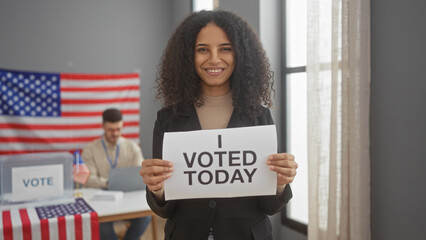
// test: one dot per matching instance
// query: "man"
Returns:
(113, 151)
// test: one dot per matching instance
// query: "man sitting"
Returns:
(113, 151)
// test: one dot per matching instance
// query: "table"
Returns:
(132, 205)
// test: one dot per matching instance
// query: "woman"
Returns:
(214, 74)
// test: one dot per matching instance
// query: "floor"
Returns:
(120, 229)
(160, 230)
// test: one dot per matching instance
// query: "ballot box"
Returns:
(35, 179)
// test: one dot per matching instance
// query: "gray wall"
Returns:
(93, 36)
(398, 119)
(181, 9)
(247, 9)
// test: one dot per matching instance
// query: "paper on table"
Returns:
(108, 195)
(220, 163)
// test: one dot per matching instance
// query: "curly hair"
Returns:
(178, 83)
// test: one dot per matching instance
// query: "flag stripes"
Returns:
(25, 224)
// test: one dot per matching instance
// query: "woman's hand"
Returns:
(154, 172)
(284, 165)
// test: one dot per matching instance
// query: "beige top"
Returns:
(216, 111)
(93, 155)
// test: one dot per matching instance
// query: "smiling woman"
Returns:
(214, 60)
(214, 74)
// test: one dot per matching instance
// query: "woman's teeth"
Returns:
(214, 70)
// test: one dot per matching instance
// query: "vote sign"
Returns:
(220, 163)
(37, 182)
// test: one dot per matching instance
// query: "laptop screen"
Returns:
(125, 179)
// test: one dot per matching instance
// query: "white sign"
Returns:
(37, 182)
(220, 163)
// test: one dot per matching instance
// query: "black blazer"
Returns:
(232, 218)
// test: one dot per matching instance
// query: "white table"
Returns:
(132, 205)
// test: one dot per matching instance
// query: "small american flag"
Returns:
(44, 112)
(64, 221)
(80, 171)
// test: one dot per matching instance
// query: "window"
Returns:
(198, 5)
(295, 91)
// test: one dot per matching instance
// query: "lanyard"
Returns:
(112, 165)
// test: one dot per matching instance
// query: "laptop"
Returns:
(125, 179)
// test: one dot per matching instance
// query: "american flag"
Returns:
(44, 112)
(64, 221)
(80, 171)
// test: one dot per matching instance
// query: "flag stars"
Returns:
(25, 94)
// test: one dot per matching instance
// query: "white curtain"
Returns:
(338, 69)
